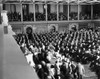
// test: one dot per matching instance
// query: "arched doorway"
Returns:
(73, 27)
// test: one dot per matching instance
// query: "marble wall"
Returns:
(42, 27)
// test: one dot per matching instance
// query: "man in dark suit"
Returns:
(40, 72)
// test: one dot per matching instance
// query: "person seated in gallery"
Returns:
(96, 16)
(40, 16)
(84, 16)
(14, 16)
(62, 16)
(52, 16)
(73, 16)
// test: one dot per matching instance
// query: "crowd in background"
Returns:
(84, 16)
(56, 55)
(14, 16)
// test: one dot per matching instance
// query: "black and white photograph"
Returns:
(49, 39)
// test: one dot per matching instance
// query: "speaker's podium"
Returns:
(14, 65)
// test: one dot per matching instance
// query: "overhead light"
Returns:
(45, 6)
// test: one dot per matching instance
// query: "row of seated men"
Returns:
(63, 16)
(84, 16)
(59, 55)
(53, 16)
(14, 16)
(28, 17)
(73, 16)
(40, 16)
(96, 16)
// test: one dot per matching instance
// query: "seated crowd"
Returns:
(62, 16)
(96, 16)
(52, 16)
(84, 16)
(55, 55)
(73, 16)
(14, 16)
(28, 17)
(40, 16)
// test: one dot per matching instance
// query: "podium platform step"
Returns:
(14, 64)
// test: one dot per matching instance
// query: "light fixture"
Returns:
(45, 6)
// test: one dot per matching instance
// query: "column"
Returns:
(34, 11)
(46, 12)
(68, 12)
(91, 11)
(57, 12)
(21, 13)
(78, 12)
(0, 12)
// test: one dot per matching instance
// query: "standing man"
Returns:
(80, 70)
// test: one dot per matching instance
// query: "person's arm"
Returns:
(83, 70)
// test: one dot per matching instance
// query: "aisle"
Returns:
(14, 63)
